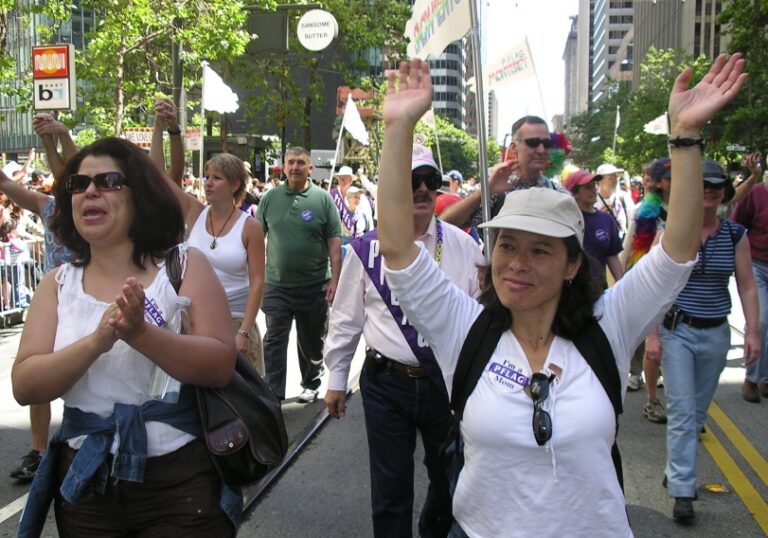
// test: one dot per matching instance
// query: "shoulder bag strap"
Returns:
(475, 353)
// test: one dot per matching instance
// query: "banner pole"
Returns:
(437, 141)
(201, 172)
(480, 114)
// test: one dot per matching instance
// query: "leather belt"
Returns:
(406, 370)
(697, 323)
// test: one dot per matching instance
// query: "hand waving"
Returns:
(690, 109)
(413, 96)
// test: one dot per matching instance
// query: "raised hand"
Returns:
(413, 96)
(165, 112)
(690, 109)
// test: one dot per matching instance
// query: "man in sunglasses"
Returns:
(401, 385)
(527, 158)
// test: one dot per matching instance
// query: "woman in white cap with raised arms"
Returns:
(556, 477)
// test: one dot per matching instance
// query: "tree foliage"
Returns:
(455, 148)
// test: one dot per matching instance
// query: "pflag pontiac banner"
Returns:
(353, 123)
(217, 96)
(435, 24)
(516, 64)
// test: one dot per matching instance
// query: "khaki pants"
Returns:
(255, 353)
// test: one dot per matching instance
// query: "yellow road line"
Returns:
(742, 444)
(739, 482)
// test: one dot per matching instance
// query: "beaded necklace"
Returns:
(439, 240)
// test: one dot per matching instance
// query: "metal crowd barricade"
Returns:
(21, 269)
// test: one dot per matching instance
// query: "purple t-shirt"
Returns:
(752, 213)
(601, 238)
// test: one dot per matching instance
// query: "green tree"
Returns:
(745, 23)
(454, 148)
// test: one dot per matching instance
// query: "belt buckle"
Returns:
(410, 371)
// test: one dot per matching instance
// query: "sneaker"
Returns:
(683, 510)
(635, 382)
(655, 412)
(307, 396)
(749, 392)
(29, 464)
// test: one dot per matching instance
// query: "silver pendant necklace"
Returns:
(215, 235)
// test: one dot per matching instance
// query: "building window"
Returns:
(620, 19)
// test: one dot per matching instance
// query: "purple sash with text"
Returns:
(367, 249)
(347, 217)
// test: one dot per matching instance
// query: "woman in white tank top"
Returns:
(233, 242)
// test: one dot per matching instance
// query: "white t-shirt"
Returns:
(509, 485)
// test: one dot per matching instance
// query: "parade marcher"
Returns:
(529, 151)
(456, 183)
(48, 129)
(95, 336)
(648, 219)
(349, 218)
(752, 213)
(552, 474)
(601, 233)
(402, 388)
(231, 239)
(303, 232)
(696, 335)
(611, 198)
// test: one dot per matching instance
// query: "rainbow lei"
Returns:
(646, 222)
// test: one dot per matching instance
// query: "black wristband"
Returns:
(680, 142)
(176, 132)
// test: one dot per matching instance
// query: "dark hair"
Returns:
(158, 224)
(577, 300)
(233, 169)
(526, 119)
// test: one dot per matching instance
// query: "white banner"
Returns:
(516, 64)
(657, 126)
(217, 96)
(353, 123)
(435, 24)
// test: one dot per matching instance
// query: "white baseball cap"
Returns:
(344, 171)
(541, 211)
(606, 169)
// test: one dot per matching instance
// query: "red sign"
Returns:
(50, 61)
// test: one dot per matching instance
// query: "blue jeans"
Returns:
(757, 372)
(692, 361)
(396, 407)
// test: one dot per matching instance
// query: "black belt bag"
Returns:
(675, 316)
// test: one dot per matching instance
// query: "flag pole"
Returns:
(202, 127)
(616, 128)
(338, 142)
(437, 141)
(480, 114)
(538, 84)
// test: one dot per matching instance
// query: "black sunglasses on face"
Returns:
(542, 422)
(533, 143)
(434, 181)
(108, 181)
(716, 186)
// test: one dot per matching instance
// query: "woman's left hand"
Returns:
(751, 347)
(690, 109)
(129, 320)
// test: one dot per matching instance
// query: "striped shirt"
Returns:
(706, 294)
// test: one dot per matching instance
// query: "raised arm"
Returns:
(752, 163)
(31, 200)
(689, 110)
(403, 107)
(165, 116)
(459, 213)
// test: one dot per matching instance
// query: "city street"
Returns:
(325, 492)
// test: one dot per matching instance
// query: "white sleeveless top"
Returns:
(122, 374)
(229, 259)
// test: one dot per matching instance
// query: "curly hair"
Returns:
(158, 224)
(577, 299)
(233, 169)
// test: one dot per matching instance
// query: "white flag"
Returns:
(429, 118)
(217, 96)
(657, 126)
(435, 25)
(618, 118)
(516, 64)
(353, 123)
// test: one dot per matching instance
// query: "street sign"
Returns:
(53, 77)
(317, 29)
(736, 147)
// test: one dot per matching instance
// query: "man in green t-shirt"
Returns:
(303, 232)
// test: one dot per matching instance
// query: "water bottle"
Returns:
(162, 386)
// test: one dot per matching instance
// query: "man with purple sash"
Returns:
(355, 222)
(401, 385)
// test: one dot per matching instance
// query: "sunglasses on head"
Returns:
(542, 422)
(534, 142)
(108, 181)
(433, 180)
